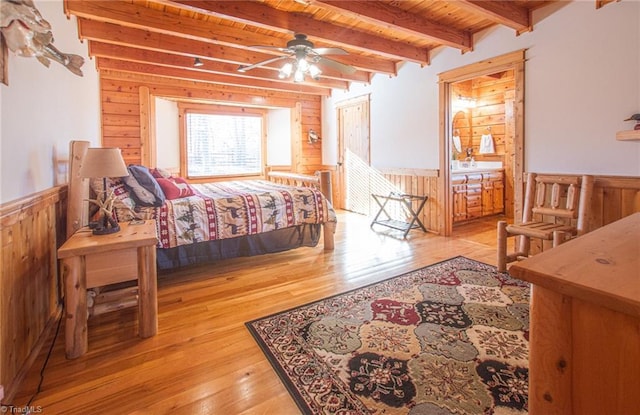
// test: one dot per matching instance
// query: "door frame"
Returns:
(514, 60)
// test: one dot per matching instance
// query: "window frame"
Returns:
(184, 109)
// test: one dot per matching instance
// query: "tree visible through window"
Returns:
(223, 145)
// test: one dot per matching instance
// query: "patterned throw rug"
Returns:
(450, 338)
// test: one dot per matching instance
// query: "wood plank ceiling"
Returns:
(163, 37)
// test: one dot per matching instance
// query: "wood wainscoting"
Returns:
(614, 197)
(31, 228)
(420, 182)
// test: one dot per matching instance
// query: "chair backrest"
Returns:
(554, 198)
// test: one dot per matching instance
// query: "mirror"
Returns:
(460, 135)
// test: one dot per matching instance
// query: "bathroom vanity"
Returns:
(477, 192)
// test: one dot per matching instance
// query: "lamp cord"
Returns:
(27, 407)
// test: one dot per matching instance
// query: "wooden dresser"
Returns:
(585, 323)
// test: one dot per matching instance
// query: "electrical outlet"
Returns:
(1, 392)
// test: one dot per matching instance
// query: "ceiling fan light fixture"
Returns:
(302, 60)
(197, 62)
(285, 71)
(314, 72)
(303, 65)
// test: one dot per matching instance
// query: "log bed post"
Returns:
(324, 177)
(77, 213)
(328, 228)
(320, 180)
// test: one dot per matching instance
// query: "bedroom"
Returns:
(594, 71)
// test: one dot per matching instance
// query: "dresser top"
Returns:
(602, 267)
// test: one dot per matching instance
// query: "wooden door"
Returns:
(487, 197)
(498, 197)
(353, 158)
(459, 202)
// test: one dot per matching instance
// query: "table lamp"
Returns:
(102, 163)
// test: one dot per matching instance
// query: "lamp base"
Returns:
(105, 226)
(106, 230)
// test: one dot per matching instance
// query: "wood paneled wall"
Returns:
(414, 182)
(614, 197)
(32, 228)
(125, 108)
(490, 115)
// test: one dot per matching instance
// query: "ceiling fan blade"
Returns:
(245, 68)
(341, 67)
(330, 51)
(279, 49)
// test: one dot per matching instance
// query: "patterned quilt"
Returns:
(231, 209)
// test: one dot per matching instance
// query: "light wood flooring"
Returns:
(203, 360)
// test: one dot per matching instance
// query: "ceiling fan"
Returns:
(302, 59)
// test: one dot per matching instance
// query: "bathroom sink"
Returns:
(465, 167)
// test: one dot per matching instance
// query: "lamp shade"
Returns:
(103, 162)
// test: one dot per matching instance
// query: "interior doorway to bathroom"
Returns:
(482, 127)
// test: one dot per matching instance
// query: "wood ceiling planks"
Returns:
(162, 37)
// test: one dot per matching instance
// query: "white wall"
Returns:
(43, 109)
(279, 137)
(582, 81)
(167, 135)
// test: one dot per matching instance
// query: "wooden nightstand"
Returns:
(90, 261)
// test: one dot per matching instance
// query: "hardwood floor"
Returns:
(203, 360)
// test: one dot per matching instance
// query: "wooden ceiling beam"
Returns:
(260, 15)
(503, 12)
(602, 3)
(143, 39)
(383, 14)
(190, 75)
(135, 16)
(185, 90)
(129, 54)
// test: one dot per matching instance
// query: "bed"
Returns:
(209, 222)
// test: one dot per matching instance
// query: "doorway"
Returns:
(354, 188)
(462, 90)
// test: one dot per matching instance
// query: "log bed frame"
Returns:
(78, 211)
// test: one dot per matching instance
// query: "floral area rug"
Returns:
(450, 338)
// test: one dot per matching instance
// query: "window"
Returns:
(223, 144)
